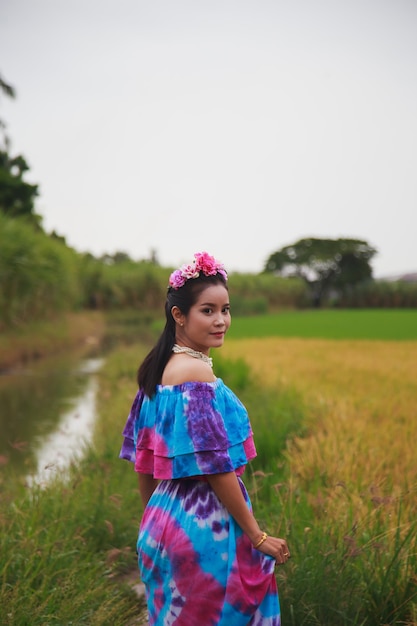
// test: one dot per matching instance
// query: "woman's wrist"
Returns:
(253, 531)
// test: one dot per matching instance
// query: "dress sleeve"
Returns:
(128, 449)
(193, 430)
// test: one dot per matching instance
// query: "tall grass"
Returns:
(253, 294)
(123, 285)
(381, 294)
(56, 556)
(38, 275)
(59, 549)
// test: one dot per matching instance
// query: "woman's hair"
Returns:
(152, 367)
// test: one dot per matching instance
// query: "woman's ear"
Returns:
(177, 315)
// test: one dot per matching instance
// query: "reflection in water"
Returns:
(72, 434)
(42, 408)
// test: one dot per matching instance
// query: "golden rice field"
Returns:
(362, 429)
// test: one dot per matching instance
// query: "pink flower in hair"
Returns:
(176, 280)
(190, 271)
(203, 262)
(206, 263)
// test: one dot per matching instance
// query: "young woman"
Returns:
(203, 558)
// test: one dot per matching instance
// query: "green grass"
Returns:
(383, 324)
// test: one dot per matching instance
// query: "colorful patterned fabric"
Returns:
(197, 565)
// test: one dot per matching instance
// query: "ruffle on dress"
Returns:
(192, 429)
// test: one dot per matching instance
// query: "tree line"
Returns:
(40, 277)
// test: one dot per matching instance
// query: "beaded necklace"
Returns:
(194, 353)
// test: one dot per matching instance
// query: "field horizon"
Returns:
(370, 324)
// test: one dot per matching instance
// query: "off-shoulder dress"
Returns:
(197, 565)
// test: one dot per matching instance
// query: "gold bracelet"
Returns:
(261, 540)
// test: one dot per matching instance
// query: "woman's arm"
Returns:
(147, 485)
(226, 487)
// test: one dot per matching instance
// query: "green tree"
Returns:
(9, 91)
(17, 197)
(326, 265)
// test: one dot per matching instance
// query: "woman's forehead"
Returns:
(213, 294)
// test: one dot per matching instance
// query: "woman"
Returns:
(203, 558)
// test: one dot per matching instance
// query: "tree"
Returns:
(17, 197)
(326, 265)
(9, 91)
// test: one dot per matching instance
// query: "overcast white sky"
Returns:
(235, 127)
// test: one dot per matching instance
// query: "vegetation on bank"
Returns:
(66, 548)
(335, 473)
(44, 337)
(38, 275)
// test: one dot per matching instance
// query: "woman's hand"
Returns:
(275, 547)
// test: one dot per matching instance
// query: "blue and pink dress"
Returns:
(197, 565)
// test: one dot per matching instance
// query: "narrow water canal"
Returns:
(47, 414)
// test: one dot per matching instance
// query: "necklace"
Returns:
(194, 353)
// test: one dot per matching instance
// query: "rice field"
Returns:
(363, 396)
(366, 324)
(352, 477)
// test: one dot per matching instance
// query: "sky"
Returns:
(231, 126)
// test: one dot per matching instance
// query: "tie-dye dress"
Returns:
(198, 567)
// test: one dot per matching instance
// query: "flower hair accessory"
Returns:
(203, 262)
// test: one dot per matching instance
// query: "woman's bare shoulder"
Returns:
(183, 369)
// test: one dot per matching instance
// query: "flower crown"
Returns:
(203, 262)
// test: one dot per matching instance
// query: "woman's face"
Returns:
(207, 321)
